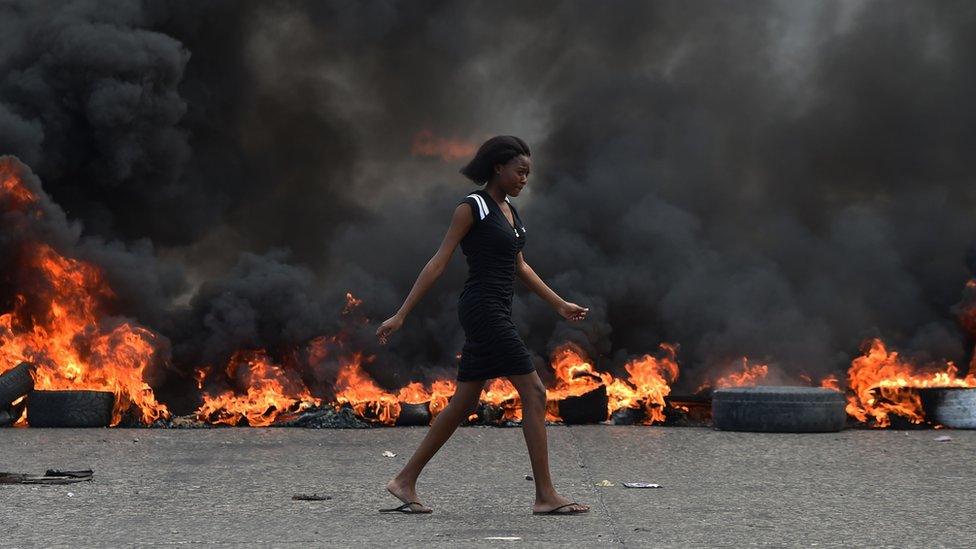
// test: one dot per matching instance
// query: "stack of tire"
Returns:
(50, 408)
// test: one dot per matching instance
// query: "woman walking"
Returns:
(491, 234)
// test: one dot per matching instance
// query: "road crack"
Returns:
(592, 484)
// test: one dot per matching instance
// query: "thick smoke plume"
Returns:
(777, 180)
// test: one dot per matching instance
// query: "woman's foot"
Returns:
(406, 492)
(550, 503)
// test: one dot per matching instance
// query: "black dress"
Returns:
(492, 346)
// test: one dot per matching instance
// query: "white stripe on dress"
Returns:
(482, 207)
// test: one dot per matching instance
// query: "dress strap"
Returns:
(482, 206)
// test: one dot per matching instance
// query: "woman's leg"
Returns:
(463, 401)
(532, 393)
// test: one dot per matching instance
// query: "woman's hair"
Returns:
(497, 150)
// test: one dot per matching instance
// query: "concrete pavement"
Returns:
(233, 487)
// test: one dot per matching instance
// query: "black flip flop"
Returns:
(556, 511)
(405, 508)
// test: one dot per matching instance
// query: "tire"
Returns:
(778, 409)
(590, 407)
(70, 408)
(15, 383)
(413, 414)
(953, 407)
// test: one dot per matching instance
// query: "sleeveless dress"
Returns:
(492, 345)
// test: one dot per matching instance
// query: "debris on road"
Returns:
(943, 438)
(389, 454)
(51, 476)
(641, 485)
(604, 483)
(325, 417)
(310, 497)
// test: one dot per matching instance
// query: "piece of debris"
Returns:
(943, 438)
(82, 474)
(310, 497)
(604, 482)
(389, 454)
(641, 485)
(528, 477)
(51, 476)
(324, 417)
(505, 538)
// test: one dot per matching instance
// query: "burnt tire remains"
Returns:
(15, 383)
(590, 407)
(413, 414)
(778, 409)
(70, 408)
(953, 407)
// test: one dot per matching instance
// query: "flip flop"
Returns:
(555, 510)
(405, 508)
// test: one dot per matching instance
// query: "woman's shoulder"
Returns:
(479, 208)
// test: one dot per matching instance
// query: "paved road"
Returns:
(233, 487)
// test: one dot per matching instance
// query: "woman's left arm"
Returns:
(568, 310)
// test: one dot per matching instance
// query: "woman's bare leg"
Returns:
(464, 400)
(532, 393)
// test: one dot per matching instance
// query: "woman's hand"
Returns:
(572, 311)
(389, 326)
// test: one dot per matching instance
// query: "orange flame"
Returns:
(426, 144)
(60, 324)
(749, 375)
(830, 382)
(270, 391)
(881, 383)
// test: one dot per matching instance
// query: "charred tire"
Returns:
(70, 408)
(15, 383)
(778, 409)
(589, 407)
(953, 407)
(413, 414)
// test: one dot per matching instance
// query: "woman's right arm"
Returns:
(461, 222)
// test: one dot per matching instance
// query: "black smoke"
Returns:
(779, 180)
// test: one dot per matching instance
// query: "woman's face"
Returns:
(513, 176)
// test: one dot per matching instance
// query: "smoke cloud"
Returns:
(777, 180)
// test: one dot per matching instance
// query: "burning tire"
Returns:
(70, 408)
(589, 407)
(413, 414)
(778, 409)
(953, 407)
(15, 383)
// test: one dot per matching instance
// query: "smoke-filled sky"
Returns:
(777, 180)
